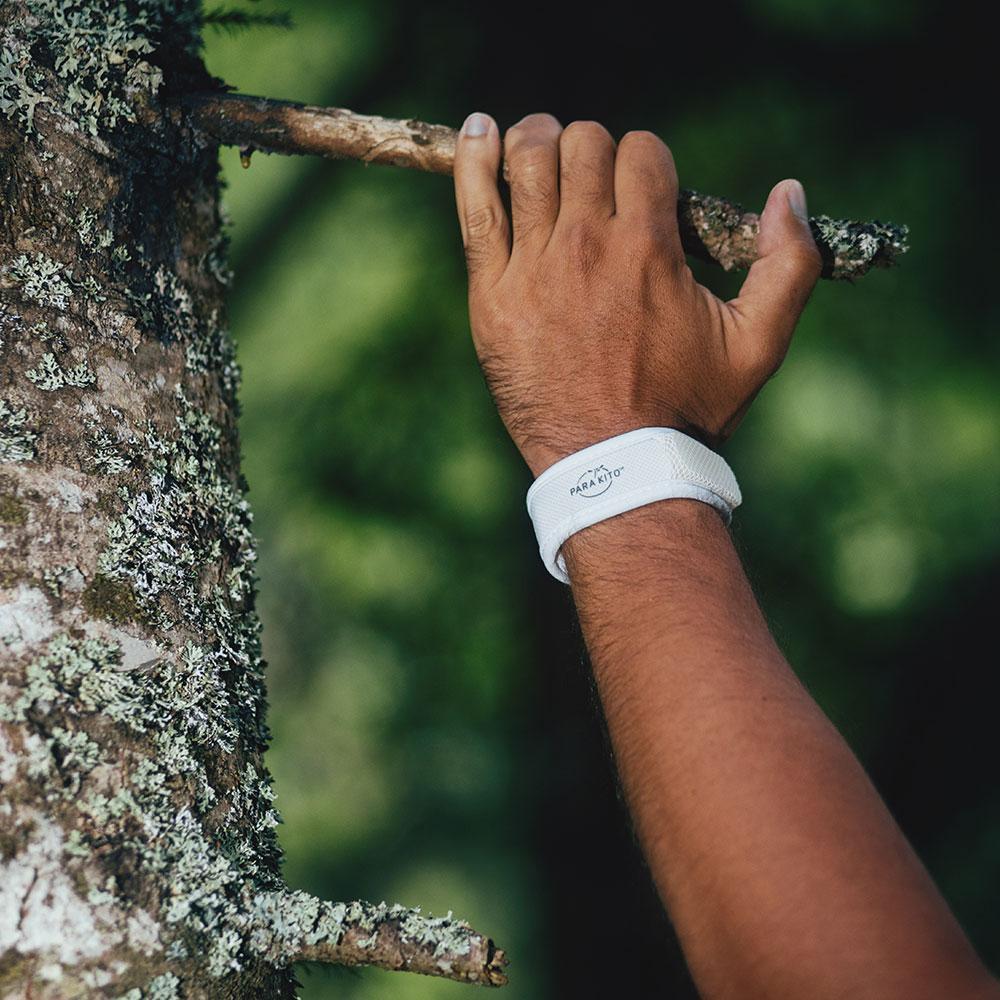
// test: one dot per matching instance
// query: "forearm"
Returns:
(782, 870)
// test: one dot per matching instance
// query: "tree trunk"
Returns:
(137, 848)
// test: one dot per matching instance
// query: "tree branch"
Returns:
(290, 927)
(712, 228)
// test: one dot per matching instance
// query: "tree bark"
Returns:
(137, 850)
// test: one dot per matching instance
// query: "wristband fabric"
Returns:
(620, 474)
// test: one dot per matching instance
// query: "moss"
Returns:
(106, 501)
(9, 845)
(14, 969)
(12, 511)
(112, 600)
(79, 881)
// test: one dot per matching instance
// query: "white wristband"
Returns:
(620, 474)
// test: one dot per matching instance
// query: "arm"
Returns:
(783, 872)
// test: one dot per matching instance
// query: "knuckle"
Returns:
(482, 221)
(588, 178)
(529, 161)
(532, 170)
(654, 240)
(651, 235)
(800, 263)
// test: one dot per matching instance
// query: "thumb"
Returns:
(781, 279)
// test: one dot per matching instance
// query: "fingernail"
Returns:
(797, 200)
(476, 125)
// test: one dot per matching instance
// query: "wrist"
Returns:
(640, 535)
(540, 451)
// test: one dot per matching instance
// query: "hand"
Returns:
(589, 323)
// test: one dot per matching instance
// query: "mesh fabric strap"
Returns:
(620, 474)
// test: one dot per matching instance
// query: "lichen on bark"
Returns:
(138, 855)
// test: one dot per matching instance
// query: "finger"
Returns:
(779, 282)
(531, 166)
(481, 215)
(586, 172)
(646, 186)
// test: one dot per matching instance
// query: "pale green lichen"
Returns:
(42, 279)
(216, 260)
(93, 288)
(208, 877)
(74, 845)
(177, 305)
(168, 542)
(209, 350)
(17, 441)
(19, 95)
(83, 674)
(850, 249)
(50, 375)
(98, 47)
(203, 703)
(37, 757)
(89, 234)
(163, 987)
(107, 458)
(75, 749)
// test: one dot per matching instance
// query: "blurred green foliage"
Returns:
(434, 742)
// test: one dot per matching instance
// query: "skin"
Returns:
(782, 870)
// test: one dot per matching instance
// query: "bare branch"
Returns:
(712, 228)
(284, 127)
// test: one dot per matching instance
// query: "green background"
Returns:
(435, 738)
